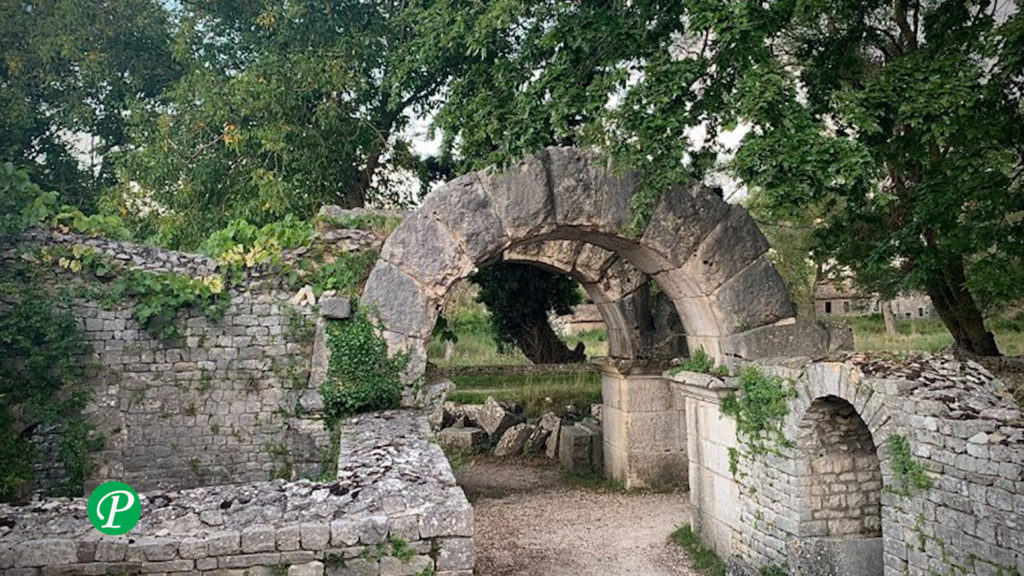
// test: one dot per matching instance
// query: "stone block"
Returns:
(391, 566)
(575, 448)
(45, 552)
(354, 567)
(258, 539)
(456, 554)
(223, 544)
(802, 338)
(315, 568)
(462, 439)
(513, 440)
(454, 519)
(836, 557)
(335, 308)
(521, 197)
(315, 536)
(373, 529)
(401, 302)
(464, 208)
(425, 250)
(494, 417)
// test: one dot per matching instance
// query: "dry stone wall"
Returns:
(393, 510)
(965, 436)
(229, 401)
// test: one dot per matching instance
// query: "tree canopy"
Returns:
(898, 123)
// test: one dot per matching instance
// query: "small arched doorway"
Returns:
(839, 493)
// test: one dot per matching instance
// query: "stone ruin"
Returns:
(831, 501)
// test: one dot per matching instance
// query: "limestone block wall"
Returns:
(963, 431)
(394, 510)
(229, 401)
(644, 429)
(714, 494)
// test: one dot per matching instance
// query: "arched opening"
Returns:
(841, 487)
(839, 498)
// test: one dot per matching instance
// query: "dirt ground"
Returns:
(529, 522)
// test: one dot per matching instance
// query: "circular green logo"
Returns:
(114, 508)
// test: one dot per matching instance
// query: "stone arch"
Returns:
(619, 290)
(838, 473)
(707, 255)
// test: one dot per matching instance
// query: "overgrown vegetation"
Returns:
(703, 558)
(519, 298)
(910, 477)
(42, 372)
(361, 376)
(701, 362)
(759, 408)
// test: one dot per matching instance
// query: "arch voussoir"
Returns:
(733, 244)
(425, 250)
(400, 301)
(464, 209)
(755, 296)
(521, 198)
(682, 219)
(587, 193)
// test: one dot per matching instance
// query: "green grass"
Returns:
(928, 335)
(536, 393)
(703, 558)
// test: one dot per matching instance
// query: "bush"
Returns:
(361, 377)
(41, 375)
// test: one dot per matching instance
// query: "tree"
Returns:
(285, 107)
(68, 70)
(519, 298)
(898, 123)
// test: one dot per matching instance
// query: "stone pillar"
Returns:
(644, 429)
(714, 493)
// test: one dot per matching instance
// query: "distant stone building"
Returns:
(832, 299)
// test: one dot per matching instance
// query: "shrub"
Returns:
(361, 377)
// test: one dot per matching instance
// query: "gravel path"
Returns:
(529, 523)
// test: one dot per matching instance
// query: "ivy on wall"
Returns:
(361, 376)
(42, 372)
(910, 477)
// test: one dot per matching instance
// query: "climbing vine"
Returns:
(361, 376)
(759, 409)
(159, 296)
(42, 375)
(910, 476)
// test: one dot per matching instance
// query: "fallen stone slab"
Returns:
(495, 417)
(513, 440)
(461, 438)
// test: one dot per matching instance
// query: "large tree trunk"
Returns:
(890, 321)
(542, 346)
(959, 312)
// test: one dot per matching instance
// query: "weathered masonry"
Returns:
(880, 467)
(892, 467)
(567, 210)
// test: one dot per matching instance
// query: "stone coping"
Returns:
(392, 483)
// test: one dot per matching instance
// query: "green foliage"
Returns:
(23, 204)
(159, 296)
(701, 362)
(361, 377)
(703, 558)
(892, 129)
(241, 236)
(42, 370)
(346, 274)
(307, 104)
(518, 319)
(70, 70)
(759, 409)
(909, 474)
